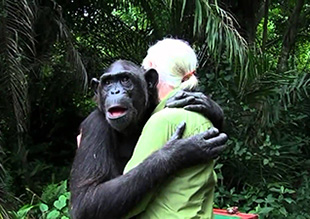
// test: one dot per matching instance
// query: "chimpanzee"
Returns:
(126, 96)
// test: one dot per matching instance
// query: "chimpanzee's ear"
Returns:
(151, 77)
(94, 85)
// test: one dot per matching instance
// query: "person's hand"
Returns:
(200, 103)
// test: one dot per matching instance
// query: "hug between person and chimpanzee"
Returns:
(126, 96)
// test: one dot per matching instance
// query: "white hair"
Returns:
(173, 59)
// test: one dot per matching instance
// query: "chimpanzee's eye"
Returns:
(125, 80)
(107, 82)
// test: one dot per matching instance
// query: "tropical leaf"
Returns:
(3, 192)
(16, 35)
(217, 27)
(202, 20)
(72, 53)
(117, 34)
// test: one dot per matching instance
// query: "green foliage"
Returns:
(269, 201)
(44, 71)
(53, 204)
(265, 169)
(269, 139)
(216, 26)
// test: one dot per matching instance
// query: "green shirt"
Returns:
(188, 193)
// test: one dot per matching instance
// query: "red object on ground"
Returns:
(237, 215)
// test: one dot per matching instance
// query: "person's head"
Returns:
(175, 61)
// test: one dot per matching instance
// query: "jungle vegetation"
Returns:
(254, 60)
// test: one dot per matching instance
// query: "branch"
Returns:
(265, 26)
(290, 36)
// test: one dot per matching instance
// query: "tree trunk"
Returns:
(290, 36)
(248, 14)
(265, 26)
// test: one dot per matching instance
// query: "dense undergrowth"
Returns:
(265, 169)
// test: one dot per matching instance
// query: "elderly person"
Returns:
(190, 192)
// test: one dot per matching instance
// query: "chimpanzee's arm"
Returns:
(116, 197)
(198, 102)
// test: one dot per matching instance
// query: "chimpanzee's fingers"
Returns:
(195, 108)
(201, 138)
(195, 94)
(178, 132)
(180, 103)
(200, 101)
(203, 103)
(179, 95)
(183, 94)
(216, 151)
(215, 141)
(210, 133)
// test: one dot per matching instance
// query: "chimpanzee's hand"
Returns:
(198, 102)
(196, 149)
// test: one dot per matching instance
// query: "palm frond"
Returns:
(3, 191)
(116, 37)
(272, 94)
(73, 54)
(16, 35)
(156, 26)
(217, 27)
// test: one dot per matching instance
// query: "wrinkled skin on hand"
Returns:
(199, 148)
(200, 103)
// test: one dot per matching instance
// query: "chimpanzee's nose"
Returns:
(115, 91)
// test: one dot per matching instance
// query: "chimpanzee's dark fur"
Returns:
(98, 188)
(104, 152)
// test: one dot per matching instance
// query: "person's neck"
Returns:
(163, 90)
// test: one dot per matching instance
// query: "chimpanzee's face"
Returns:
(123, 94)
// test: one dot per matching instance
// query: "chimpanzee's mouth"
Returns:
(116, 112)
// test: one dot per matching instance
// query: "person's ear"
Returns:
(151, 77)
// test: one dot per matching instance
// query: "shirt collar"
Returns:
(162, 103)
